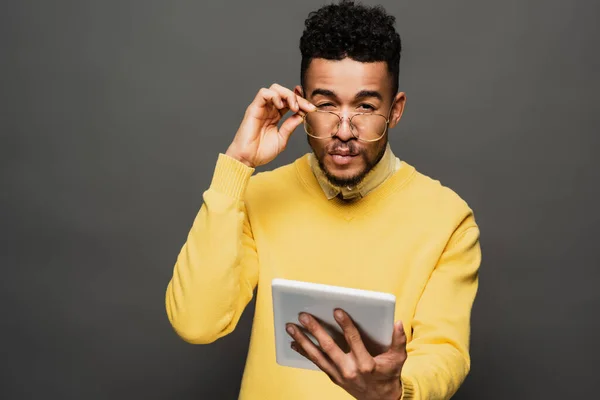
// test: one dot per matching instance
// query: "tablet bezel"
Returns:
(373, 311)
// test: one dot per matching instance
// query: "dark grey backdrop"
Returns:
(113, 113)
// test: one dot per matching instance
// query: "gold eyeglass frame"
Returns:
(352, 128)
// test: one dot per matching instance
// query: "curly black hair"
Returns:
(362, 33)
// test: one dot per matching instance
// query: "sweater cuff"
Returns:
(408, 389)
(231, 176)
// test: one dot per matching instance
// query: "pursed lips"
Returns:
(342, 157)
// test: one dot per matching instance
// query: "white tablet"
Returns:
(372, 312)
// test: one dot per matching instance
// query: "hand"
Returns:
(363, 376)
(258, 139)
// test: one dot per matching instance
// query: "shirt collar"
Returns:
(385, 168)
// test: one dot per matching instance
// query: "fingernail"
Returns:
(303, 319)
(338, 315)
(290, 329)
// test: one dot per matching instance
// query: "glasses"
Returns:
(366, 127)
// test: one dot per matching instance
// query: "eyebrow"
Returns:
(360, 95)
(323, 92)
(368, 93)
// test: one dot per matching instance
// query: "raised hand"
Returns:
(259, 139)
(363, 376)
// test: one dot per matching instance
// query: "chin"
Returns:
(346, 176)
(345, 170)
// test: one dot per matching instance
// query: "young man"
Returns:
(349, 214)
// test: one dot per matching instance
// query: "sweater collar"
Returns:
(385, 168)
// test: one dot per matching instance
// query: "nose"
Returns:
(344, 132)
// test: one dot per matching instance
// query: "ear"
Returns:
(298, 91)
(397, 109)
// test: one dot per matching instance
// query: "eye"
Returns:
(366, 107)
(325, 105)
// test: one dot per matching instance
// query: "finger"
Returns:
(284, 110)
(306, 105)
(296, 347)
(289, 125)
(308, 349)
(287, 95)
(326, 343)
(295, 102)
(265, 97)
(365, 361)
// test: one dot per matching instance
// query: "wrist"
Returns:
(396, 392)
(233, 153)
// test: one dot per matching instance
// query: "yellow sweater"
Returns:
(410, 236)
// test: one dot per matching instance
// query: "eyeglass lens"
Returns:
(363, 126)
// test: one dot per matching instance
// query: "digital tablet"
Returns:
(372, 312)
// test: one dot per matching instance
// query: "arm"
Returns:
(438, 355)
(217, 268)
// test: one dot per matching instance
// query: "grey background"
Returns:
(112, 116)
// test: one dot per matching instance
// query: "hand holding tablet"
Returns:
(371, 312)
(364, 355)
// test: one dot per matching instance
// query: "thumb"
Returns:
(398, 339)
(391, 362)
(289, 125)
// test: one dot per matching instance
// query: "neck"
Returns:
(387, 165)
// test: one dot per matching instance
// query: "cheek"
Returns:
(372, 150)
(318, 146)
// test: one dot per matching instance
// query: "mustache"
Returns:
(338, 147)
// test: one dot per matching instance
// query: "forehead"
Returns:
(347, 77)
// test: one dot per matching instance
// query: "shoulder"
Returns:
(279, 182)
(441, 201)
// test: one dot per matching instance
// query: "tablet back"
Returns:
(372, 312)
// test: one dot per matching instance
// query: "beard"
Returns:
(353, 180)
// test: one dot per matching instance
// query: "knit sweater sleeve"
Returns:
(438, 355)
(216, 270)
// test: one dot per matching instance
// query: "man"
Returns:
(349, 214)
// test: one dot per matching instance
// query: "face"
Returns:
(348, 87)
